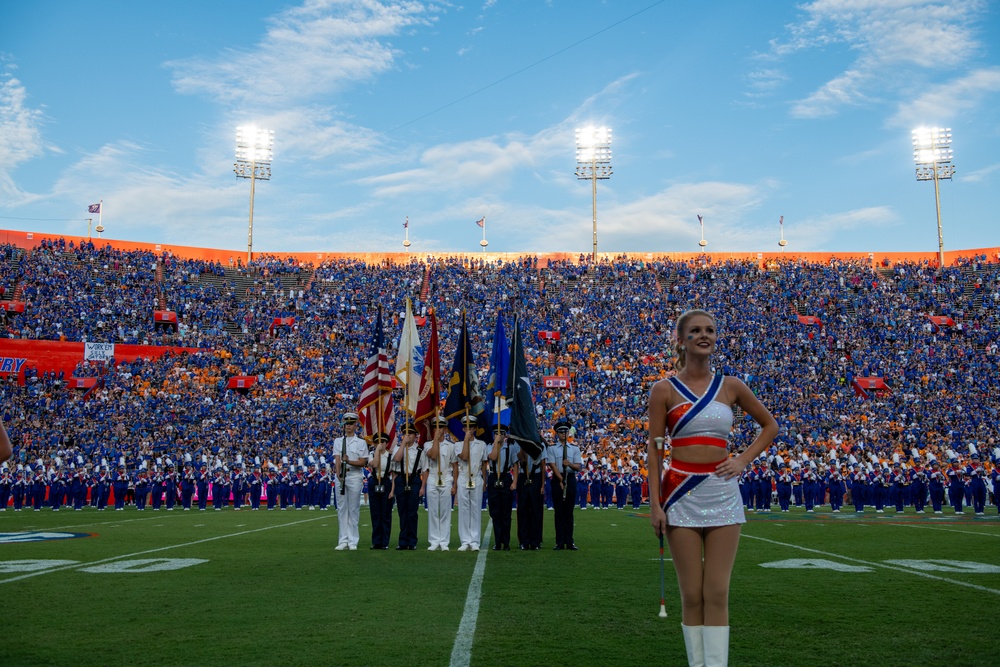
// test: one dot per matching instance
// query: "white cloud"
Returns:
(307, 51)
(20, 135)
(983, 175)
(887, 37)
(943, 103)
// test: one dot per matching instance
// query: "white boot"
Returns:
(694, 644)
(716, 638)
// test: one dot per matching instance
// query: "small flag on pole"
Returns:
(482, 221)
(94, 208)
(781, 221)
(701, 221)
(406, 224)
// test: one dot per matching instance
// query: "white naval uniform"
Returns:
(349, 504)
(470, 500)
(439, 496)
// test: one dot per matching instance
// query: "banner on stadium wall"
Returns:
(810, 320)
(165, 317)
(864, 386)
(11, 364)
(941, 321)
(12, 306)
(241, 382)
(555, 381)
(82, 383)
(99, 351)
(549, 335)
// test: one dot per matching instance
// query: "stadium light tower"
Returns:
(254, 149)
(593, 162)
(932, 155)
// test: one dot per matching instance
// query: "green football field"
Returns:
(267, 588)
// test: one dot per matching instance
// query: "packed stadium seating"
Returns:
(799, 331)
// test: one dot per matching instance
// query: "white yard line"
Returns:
(461, 652)
(916, 573)
(946, 530)
(157, 550)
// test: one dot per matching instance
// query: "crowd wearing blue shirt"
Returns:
(615, 321)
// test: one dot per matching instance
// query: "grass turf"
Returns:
(271, 590)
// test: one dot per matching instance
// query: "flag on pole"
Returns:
(482, 221)
(409, 361)
(429, 392)
(375, 407)
(463, 386)
(94, 208)
(407, 223)
(781, 221)
(495, 402)
(701, 221)
(523, 422)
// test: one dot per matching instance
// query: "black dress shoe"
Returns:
(573, 547)
(506, 547)
(557, 547)
(374, 546)
(497, 547)
(534, 547)
(412, 547)
(400, 547)
(522, 547)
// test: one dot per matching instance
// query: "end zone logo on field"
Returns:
(39, 536)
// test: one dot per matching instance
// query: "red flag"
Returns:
(430, 383)
(376, 408)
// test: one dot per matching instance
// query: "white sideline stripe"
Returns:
(153, 551)
(946, 530)
(461, 652)
(918, 573)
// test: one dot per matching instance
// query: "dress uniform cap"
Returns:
(408, 427)
(440, 421)
(561, 426)
(469, 420)
(350, 417)
(380, 438)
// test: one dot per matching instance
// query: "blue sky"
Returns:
(446, 112)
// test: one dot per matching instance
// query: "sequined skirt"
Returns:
(694, 497)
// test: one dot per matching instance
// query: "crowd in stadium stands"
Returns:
(615, 322)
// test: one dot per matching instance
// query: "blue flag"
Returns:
(523, 421)
(495, 401)
(464, 396)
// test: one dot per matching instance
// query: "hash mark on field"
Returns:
(461, 652)
(874, 564)
(152, 551)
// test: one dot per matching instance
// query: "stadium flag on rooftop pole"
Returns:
(496, 383)
(375, 407)
(409, 361)
(482, 222)
(464, 396)
(523, 421)
(429, 393)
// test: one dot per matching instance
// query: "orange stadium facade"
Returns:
(29, 240)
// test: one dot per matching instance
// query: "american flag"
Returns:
(94, 208)
(781, 221)
(482, 221)
(701, 221)
(376, 407)
(407, 223)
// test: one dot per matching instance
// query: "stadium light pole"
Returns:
(593, 163)
(932, 155)
(254, 150)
